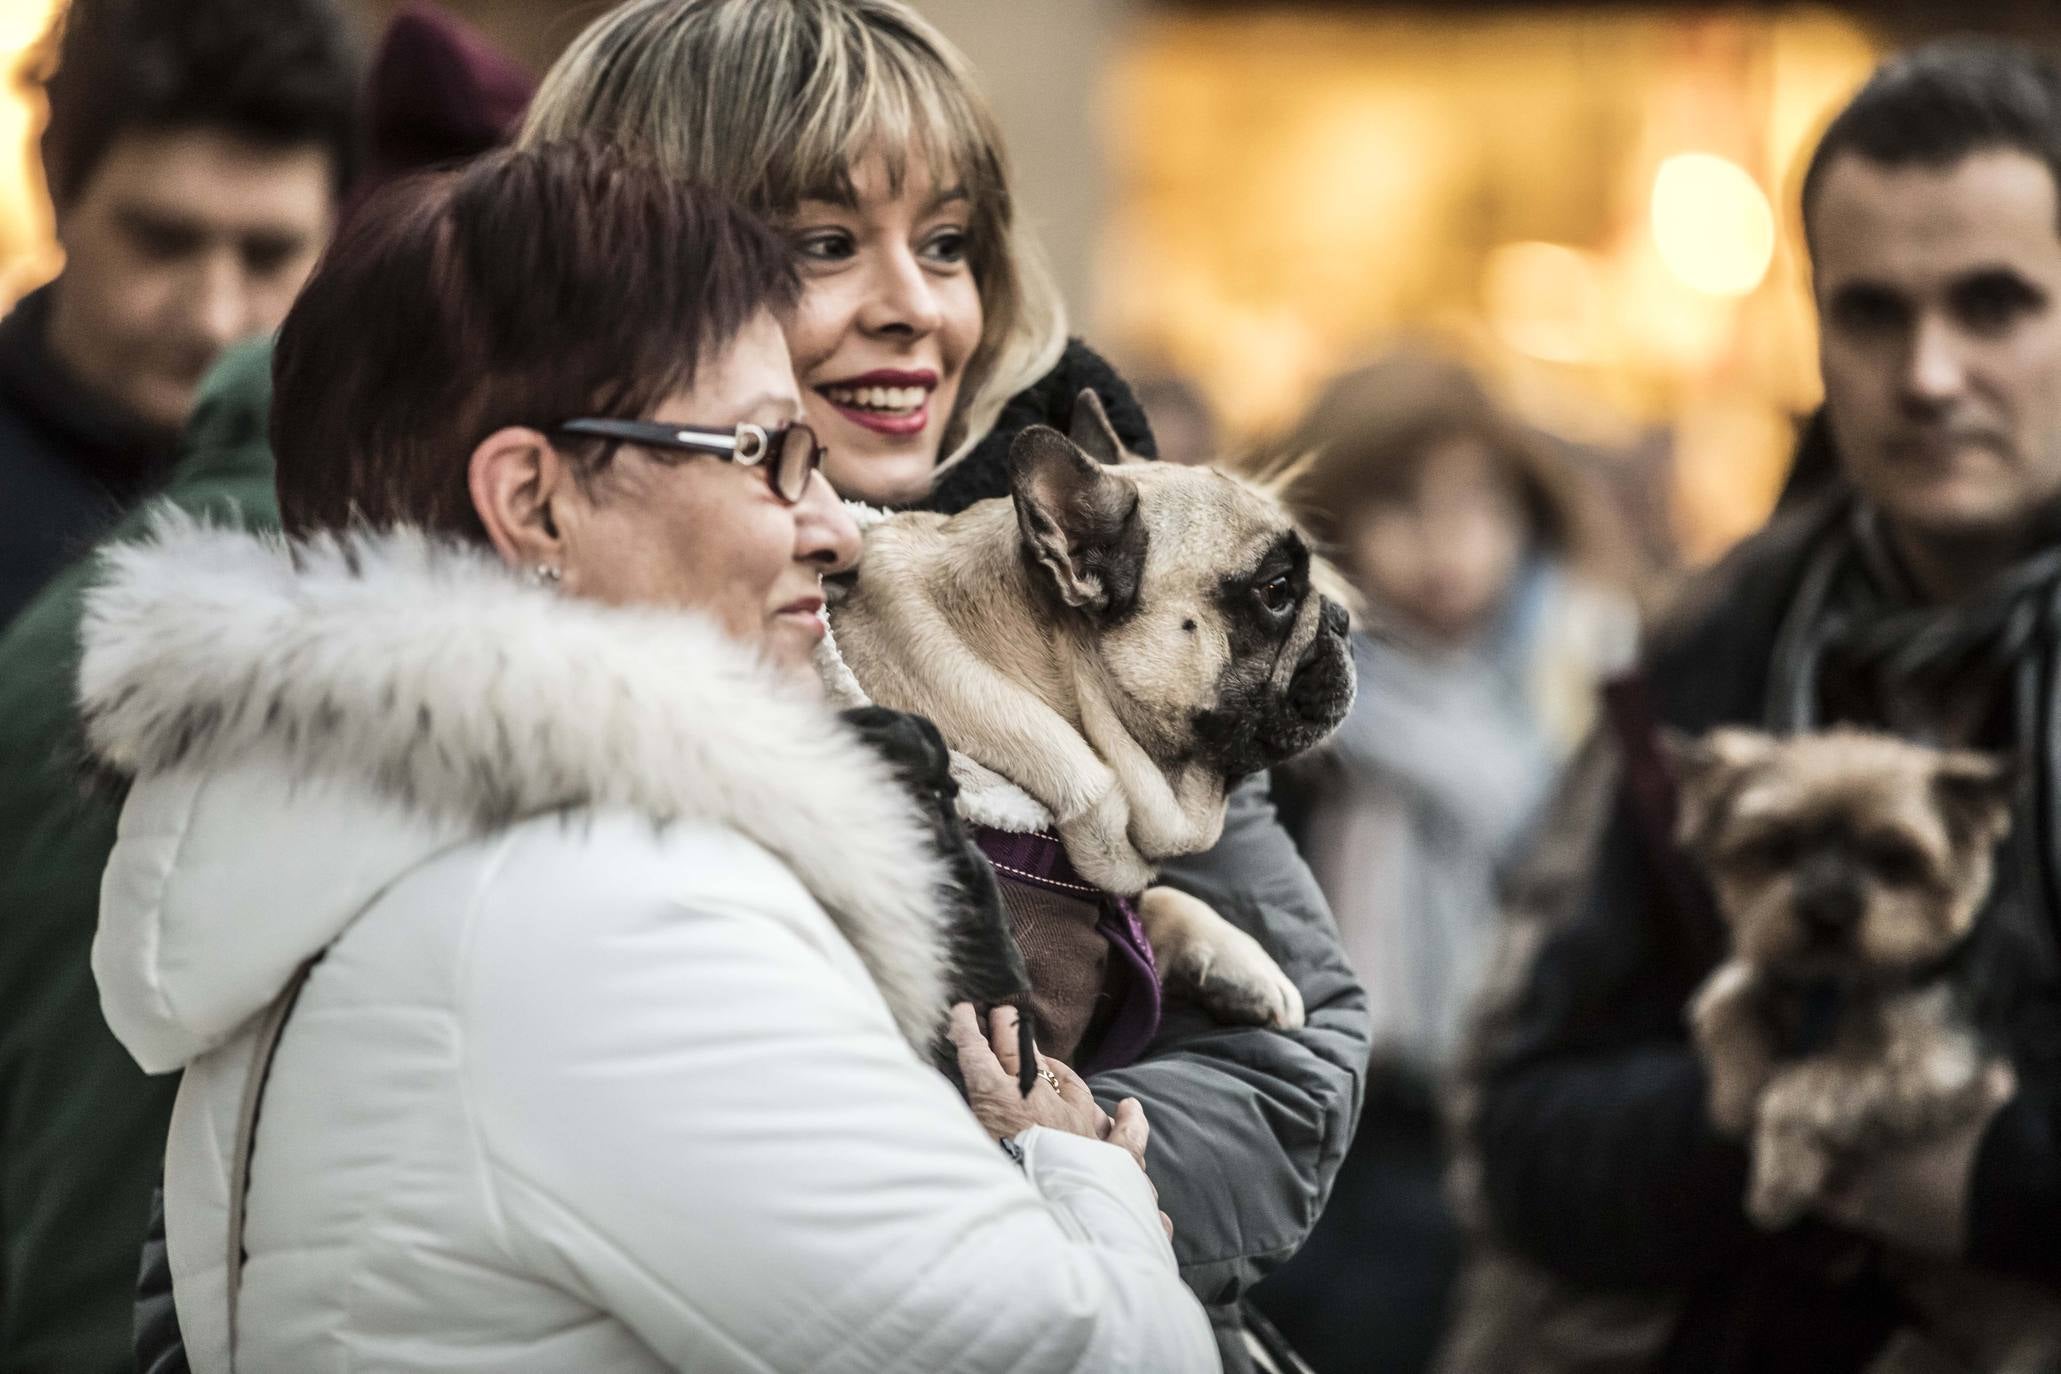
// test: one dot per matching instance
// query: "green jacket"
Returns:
(81, 1128)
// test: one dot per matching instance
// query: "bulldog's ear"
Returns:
(1091, 431)
(1079, 522)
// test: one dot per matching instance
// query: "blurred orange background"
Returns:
(1593, 206)
(1596, 205)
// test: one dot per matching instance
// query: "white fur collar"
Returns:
(985, 796)
(446, 683)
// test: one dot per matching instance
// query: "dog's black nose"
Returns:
(1323, 683)
(1829, 909)
(1334, 620)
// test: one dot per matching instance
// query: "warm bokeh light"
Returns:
(1292, 190)
(1546, 301)
(27, 255)
(1712, 224)
(1596, 204)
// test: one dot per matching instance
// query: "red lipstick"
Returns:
(887, 400)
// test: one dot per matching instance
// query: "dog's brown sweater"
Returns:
(1068, 958)
(1094, 988)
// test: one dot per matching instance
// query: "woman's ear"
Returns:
(516, 477)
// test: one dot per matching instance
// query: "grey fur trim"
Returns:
(443, 680)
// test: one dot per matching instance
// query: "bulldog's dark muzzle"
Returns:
(1320, 691)
(1259, 723)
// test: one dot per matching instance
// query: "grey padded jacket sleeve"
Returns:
(1249, 1125)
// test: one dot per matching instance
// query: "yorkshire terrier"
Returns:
(1853, 870)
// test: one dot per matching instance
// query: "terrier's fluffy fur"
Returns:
(1850, 868)
(1854, 870)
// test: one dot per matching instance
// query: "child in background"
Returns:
(1495, 605)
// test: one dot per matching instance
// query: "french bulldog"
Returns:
(1123, 641)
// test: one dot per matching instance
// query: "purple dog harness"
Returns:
(1040, 860)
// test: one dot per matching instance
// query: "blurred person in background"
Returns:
(1493, 580)
(1917, 595)
(81, 1128)
(929, 335)
(196, 151)
(1182, 419)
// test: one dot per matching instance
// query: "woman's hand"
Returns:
(988, 1063)
(1129, 1130)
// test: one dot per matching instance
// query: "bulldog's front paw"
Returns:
(1101, 850)
(1222, 969)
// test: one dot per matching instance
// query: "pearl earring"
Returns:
(546, 575)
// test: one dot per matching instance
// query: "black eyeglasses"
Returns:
(789, 452)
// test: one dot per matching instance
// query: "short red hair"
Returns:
(532, 286)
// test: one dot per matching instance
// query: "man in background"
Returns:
(1915, 593)
(81, 1128)
(195, 153)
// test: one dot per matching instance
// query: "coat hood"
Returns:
(305, 721)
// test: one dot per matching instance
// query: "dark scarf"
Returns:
(987, 966)
(119, 451)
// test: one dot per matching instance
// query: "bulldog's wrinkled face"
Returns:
(1191, 592)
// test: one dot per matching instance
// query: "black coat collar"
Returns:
(86, 429)
(984, 471)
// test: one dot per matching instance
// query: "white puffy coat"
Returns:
(608, 1063)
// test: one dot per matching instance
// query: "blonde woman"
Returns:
(928, 334)
(930, 329)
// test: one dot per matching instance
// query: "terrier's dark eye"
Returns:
(1277, 594)
(1895, 861)
(1771, 851)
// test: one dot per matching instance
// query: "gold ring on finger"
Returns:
(1050, 1077)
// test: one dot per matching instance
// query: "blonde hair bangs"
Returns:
(775, 101)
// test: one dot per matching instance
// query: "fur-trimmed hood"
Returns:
(407, 694)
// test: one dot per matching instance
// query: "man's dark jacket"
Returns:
(70, 460)
(1596, 1155)
(82, 1129)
